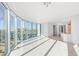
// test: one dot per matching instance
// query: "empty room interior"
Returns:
(39, 28)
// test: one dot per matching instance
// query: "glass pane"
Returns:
(38, 29)
(18, 30)
(2, 30)
(29, 29)
(12, 31)
(34, 30)
(25, 31)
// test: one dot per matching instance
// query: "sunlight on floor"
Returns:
(45, 46)
(26, 48)
(76, 47)
(42, 49)
(59, 49)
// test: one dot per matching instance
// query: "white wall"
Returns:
(75, 29)
(50, 29)
(47, 29)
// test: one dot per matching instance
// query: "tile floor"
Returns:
(44, 46)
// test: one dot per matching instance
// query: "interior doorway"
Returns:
(54, 30)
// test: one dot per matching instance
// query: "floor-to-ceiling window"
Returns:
(2, 30)
(38, 29)
(19, 30)
(29, 24)
(29, 30)
(12, 31)
(34, 30)
(25, 29)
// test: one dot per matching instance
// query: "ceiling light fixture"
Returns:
(47, 3)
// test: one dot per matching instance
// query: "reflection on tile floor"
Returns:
(46, 47)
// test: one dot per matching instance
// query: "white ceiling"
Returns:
(38, 12)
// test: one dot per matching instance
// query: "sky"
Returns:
(1, 17)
